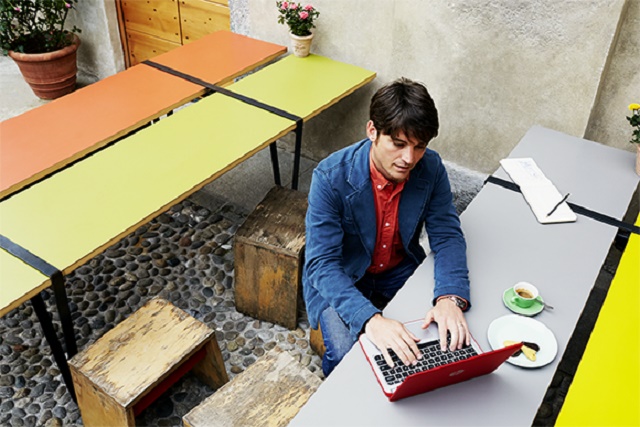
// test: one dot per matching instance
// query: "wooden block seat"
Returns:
(269, 393)
(268, 257)
(122, 372)
(316, 341)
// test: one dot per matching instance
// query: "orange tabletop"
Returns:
(49, 137)
(220, 56)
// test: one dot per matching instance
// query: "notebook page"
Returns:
(539, 192)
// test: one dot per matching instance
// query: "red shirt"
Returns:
(388, 251)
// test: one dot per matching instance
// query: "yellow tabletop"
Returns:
(75, 212)
(18, 281)
(303, 86)
(606, 391)
(80, 211)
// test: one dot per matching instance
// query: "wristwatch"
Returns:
(459, 302)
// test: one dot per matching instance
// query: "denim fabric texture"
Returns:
(341, 233)
(377, 288)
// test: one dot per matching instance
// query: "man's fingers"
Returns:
(427, 320)
(405, 348)
(387, 357)
(464, 335)
(406, 353)
(455, 334)
(443, 338)
(414, 349)
(412, 341)
(404, 345)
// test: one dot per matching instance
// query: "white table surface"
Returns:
(505, 245)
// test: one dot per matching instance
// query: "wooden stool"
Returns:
(126, 369)
(316, 341)
(269, 252)
(269, 393)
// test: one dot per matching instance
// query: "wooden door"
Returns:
(202, 17)
(151, 27)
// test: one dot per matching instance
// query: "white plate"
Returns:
(519, 328)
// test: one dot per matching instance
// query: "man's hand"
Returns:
(390, 334)
(450, 318)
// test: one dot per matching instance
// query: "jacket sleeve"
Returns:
(324, 263)
(447, 241)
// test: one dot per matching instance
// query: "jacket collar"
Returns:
(359, 171)
(413, 200)
(361, 200)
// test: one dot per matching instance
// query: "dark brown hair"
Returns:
(405, 106)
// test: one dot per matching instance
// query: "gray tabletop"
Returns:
(505, 245)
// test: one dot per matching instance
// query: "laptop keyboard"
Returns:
(432, 357)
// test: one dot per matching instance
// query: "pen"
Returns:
(564, 199)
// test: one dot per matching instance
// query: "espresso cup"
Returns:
(525, 294)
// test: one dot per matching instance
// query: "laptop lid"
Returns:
(481, 364)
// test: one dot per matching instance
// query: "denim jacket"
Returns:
(341, 232)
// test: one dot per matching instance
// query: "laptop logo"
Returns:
(453, 374)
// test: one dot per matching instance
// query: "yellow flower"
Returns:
(634, 107)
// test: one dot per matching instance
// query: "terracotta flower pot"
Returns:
(301, 44)
(52, 74)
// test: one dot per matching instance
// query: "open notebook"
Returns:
(440, 368)
(540, 193)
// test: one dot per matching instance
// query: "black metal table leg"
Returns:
(273, 150)
(62, 304)
(296, 157)
(52, 339)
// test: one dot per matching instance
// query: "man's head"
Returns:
(403, 119)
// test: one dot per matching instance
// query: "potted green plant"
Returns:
(299, 19)
(32, 33)
(634, 121)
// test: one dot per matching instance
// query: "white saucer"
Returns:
(519, 328)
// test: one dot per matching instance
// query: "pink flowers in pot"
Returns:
(299, 19)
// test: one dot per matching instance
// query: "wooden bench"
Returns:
(120, 374)
(606, 391)
(78, 212)
(269, 393)
(268, 256)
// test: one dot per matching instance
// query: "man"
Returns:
(367, 205)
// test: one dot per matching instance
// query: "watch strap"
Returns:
(461, 303)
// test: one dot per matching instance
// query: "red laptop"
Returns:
(436, 368)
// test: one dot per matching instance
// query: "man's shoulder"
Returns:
(429, 165)
(338, 160)
(431, 156)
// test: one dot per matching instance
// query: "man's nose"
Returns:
(408, 154)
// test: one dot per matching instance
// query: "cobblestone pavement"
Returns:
(183, 256)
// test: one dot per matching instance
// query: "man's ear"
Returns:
(372, 133)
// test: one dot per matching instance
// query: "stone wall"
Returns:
(620, 85)
(100, 54)
(494, 67)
